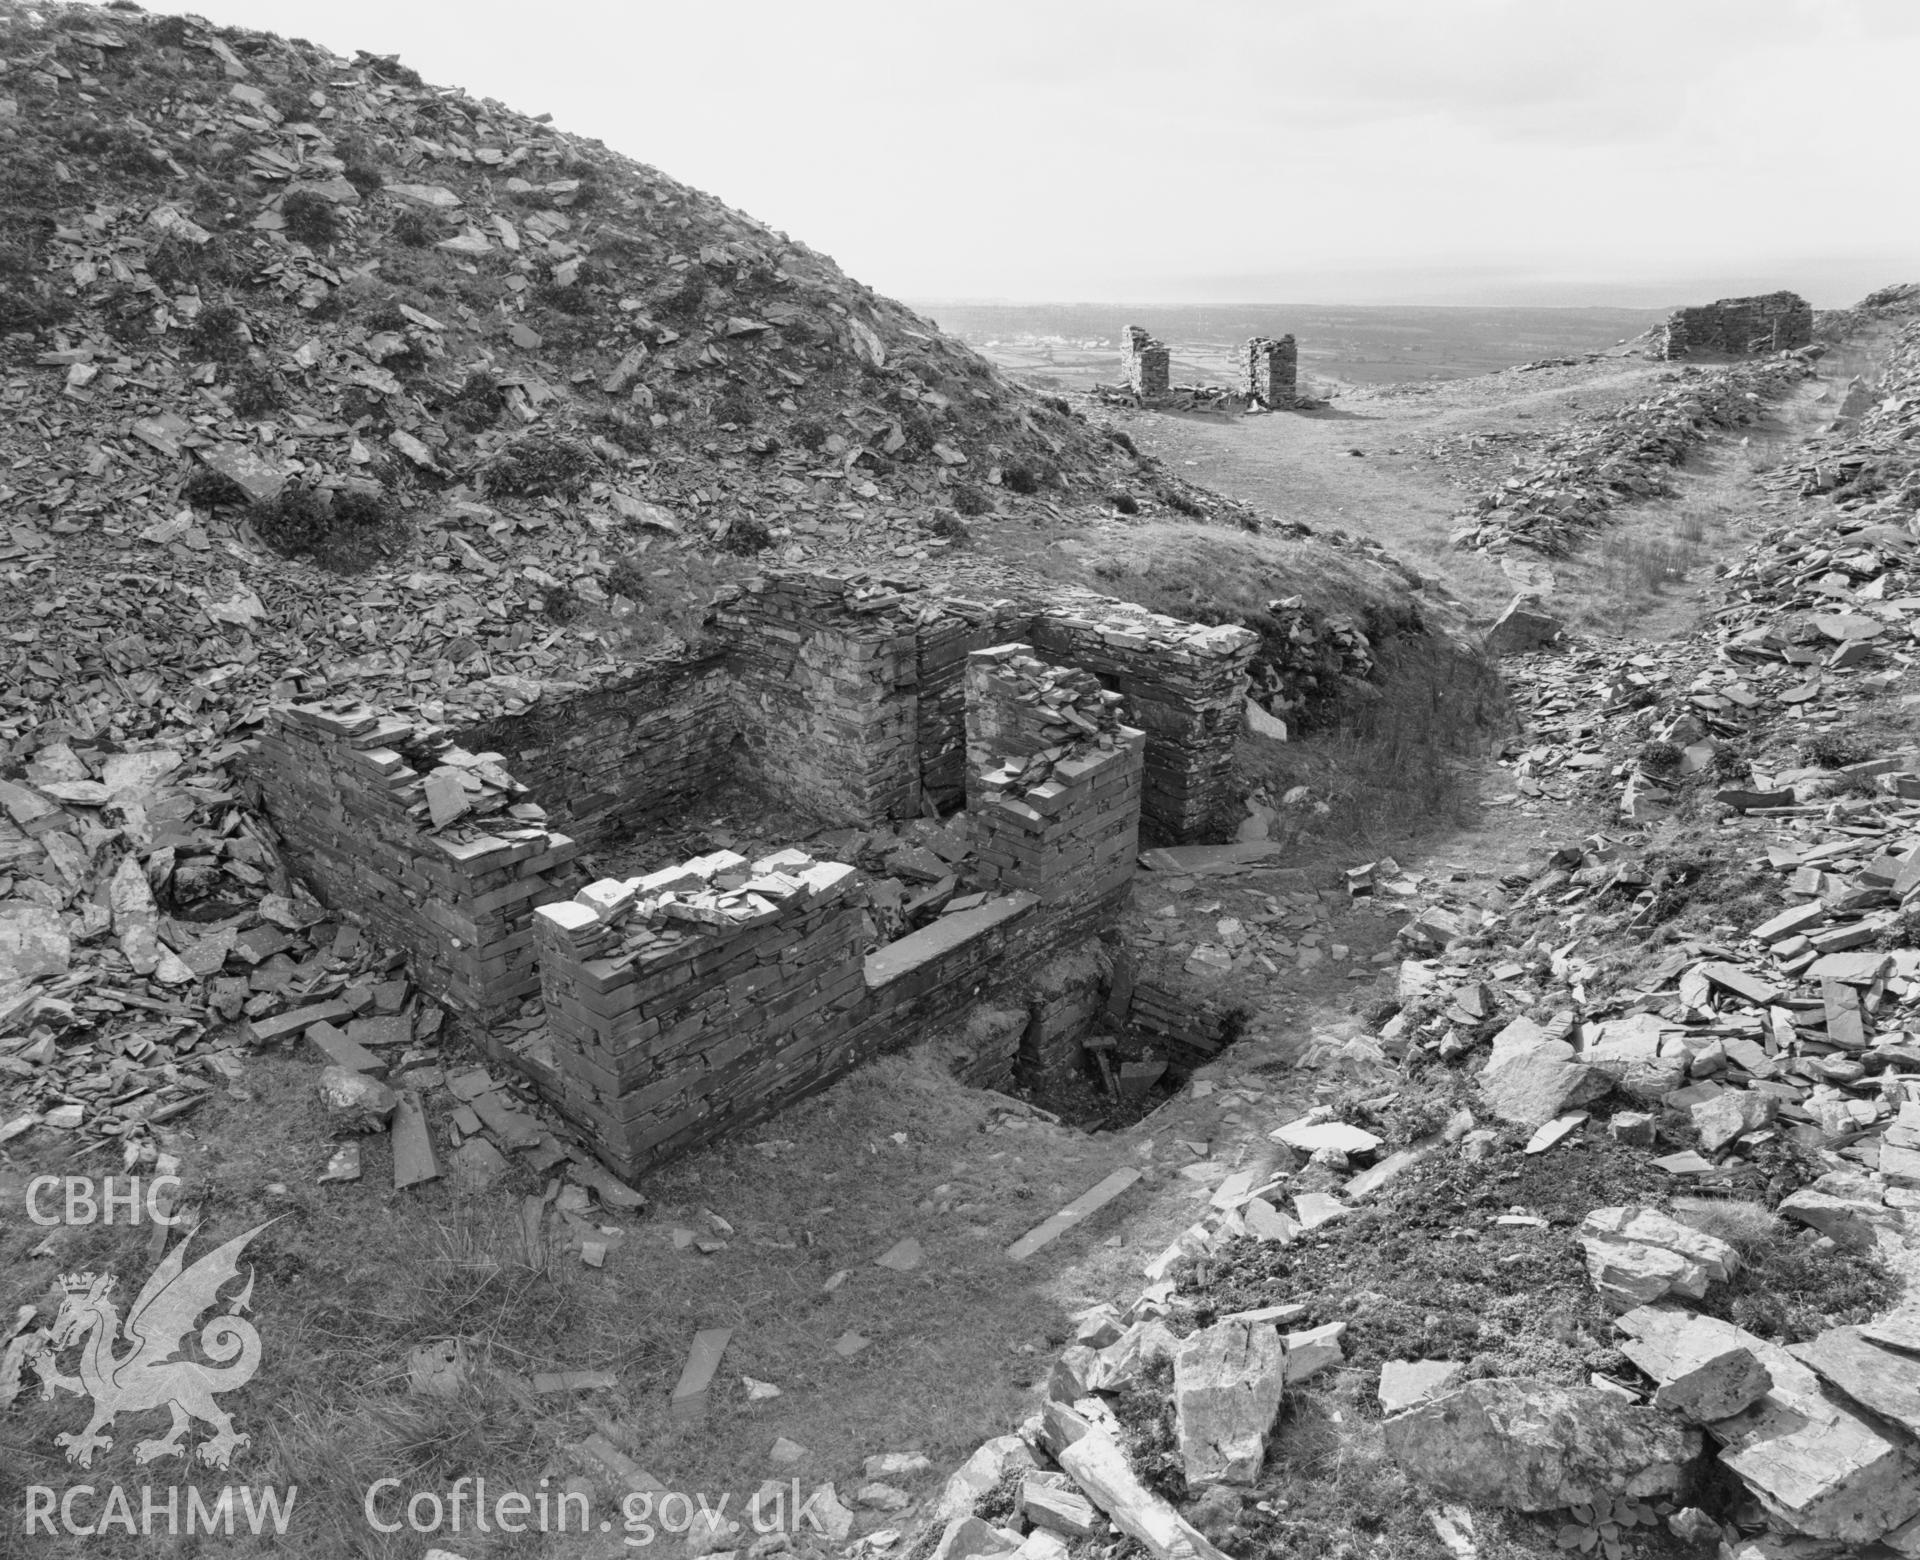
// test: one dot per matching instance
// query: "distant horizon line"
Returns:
(1264, 303)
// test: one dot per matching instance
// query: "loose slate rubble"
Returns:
(1636, 1256)
(1537, 1447)
(1821, 1469)
(1606, 459)
(1723, 1044)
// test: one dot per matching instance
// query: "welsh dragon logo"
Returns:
(148, 1375)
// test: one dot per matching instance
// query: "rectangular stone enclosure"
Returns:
(693, 1000)
(698, 997)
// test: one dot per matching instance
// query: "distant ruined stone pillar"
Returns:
(1273, 371)
(1146, 364)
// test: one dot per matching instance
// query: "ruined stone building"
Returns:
(1146, 364)
(659, 1011)
(1273, 372)
(1772, 322)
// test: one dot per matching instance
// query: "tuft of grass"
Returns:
(1790, 1291)
(1834, 750)
(478, 403)
(387, 67)
(119, 149)
(1744, 1225)
(29, 308)
(630, 433)
(1179, 502)
(206, 488)
(343, 531)
(685, 302)
(944, 523)
(968, 501)
(541, 466)
(257, 390)
(311, 219)
(418, 229)
(218, 335)
(1659, 758)
(1638, 565)
(1145, 1409)
(732, 405)
(744, 536)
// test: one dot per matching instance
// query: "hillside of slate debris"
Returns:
(1559, 1192)
(309, 365)
(1594, 1226)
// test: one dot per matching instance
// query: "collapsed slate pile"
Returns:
(1305, 658)
(1798, 1023)
(1874, 468)
(1837, 325)
(1606, 459)
(1045, 714)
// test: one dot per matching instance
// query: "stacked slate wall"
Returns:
(1273, 371)
(1146, 364)
(1770, 322)
(698, 998)
(825, 675)
(1054, 778)
(668, 1032)
(945, 642)
(625, 758)
(695, 1000)
(1185, 687)
(338, 782)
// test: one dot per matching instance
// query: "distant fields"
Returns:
(1074, 345)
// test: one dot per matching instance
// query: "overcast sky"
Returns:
(1539, 151)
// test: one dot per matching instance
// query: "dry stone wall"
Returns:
(1185, 687)
(690, 1001)
(666, 1033)
(1145, 364)
(699, 997)
(1770, 322)
(363, 825)
(625, 758)
(961, 628)
(1273, 371)
(682, 1003)
(825, 676)
(1054, 778)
